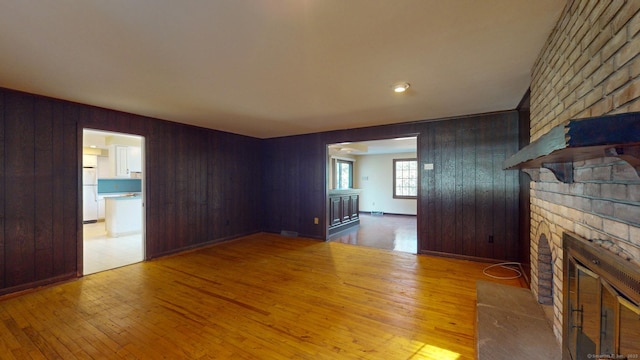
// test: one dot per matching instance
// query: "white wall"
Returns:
(374, 175)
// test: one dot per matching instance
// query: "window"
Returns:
(405, 178)
(344, 174)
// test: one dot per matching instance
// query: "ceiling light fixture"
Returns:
(401, 87)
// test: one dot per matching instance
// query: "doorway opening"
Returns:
(113, 200)
(372, 191)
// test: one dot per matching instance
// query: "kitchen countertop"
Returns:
(123, 197)
(118, 178)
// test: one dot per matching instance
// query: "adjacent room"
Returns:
(112, 200)
(379, 179)
(320, 179)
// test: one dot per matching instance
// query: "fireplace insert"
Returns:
(601, 311)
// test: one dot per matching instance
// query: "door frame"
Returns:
(327, 182)
(80, 231)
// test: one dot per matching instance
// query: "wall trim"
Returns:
(35, 285)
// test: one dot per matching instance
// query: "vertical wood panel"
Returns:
(60, 183)
(500, 216)
(20, 183)
(427, 199)
(273, 192)
(448, 188)
(201, 189)
(512, 200)
(469, 192)
(191, 180)
(292, 170)
(249, 166)
(153, 173)
(423, 190)
(437, 215)
(155, 186)
(44, 189)
(524, 210)
(198, 186)
(459, 198)
(180, 195)
(305, 189)
(484, 193)
(2, 190)
(72, 226)
(214, 188)
(168, 183)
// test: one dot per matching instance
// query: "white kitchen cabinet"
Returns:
(89, 160)
(123, 215)
(126, 159)
(134, 158)
(101, 208)
(122, 161)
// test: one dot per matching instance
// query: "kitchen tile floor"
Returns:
(103, 253)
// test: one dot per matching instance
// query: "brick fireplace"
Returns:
(589, 67)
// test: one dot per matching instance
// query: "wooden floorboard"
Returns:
(259, 297)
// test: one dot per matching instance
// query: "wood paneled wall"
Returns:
(525, 196)
(202, 185)
(38, 191)
(470, 204)
(294, 175)
(463, 202)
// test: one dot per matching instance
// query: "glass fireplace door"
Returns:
(574, 310)
(588, 312)
(601, 296)
(602, 322)
(608, 320)
(629, 330)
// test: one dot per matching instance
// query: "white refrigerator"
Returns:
(89, 194)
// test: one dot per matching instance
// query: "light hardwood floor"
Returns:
(259, 297)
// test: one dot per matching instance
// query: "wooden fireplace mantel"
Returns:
(578, 140)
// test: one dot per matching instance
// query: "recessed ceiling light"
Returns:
(401, 87)
(92, 146)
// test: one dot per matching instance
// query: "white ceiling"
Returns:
(375, 147)
(103, 139)
(269, 68)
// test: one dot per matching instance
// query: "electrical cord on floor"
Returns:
(504, 265)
